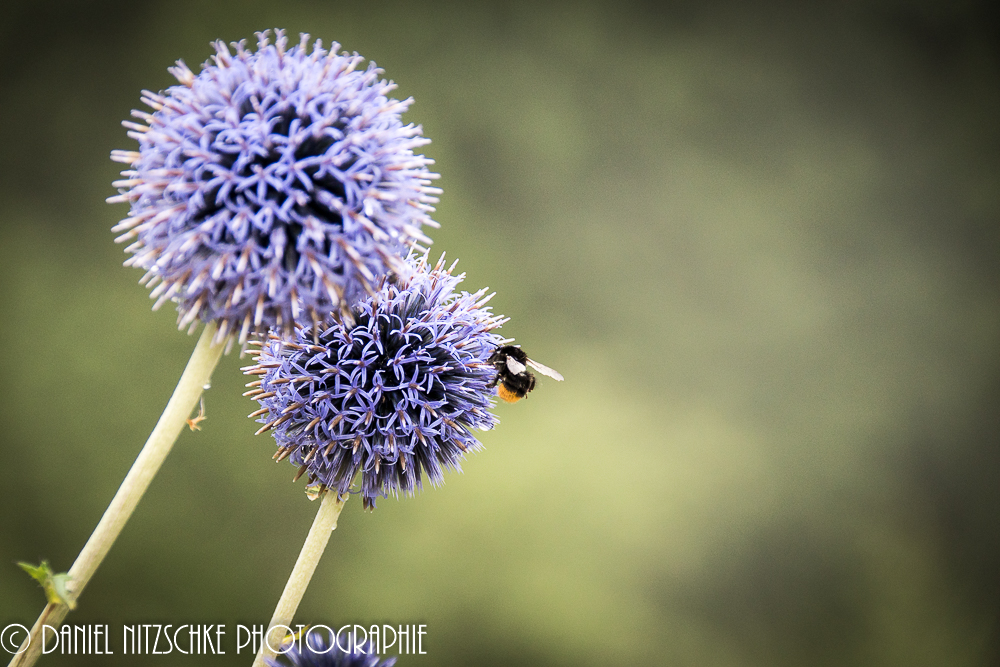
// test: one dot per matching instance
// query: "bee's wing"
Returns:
(545, 370)
(514, 366)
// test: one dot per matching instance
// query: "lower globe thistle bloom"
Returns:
(317, 650)
(394, 395)
(273, 187)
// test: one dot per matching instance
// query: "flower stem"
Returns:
(324, 523)
(196, 376)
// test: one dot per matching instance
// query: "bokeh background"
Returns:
(760, 240)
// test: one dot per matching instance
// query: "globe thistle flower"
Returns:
(323, 651)
(274, 187)
(395, 395)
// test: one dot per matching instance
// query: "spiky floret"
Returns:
(319, 649)
(394, 395)
(274, 187)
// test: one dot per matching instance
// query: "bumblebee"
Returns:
(513, 379)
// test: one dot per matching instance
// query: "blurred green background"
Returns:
(759, 240)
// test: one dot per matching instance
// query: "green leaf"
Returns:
(54, 584)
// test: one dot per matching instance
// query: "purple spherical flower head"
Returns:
(274, 187)
(391, 396)
(318, 650)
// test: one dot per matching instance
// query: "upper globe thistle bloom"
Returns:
(394, 394)
(317, 650)
(274, 187)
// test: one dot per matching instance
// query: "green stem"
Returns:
(324, 523)
(196, 376)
